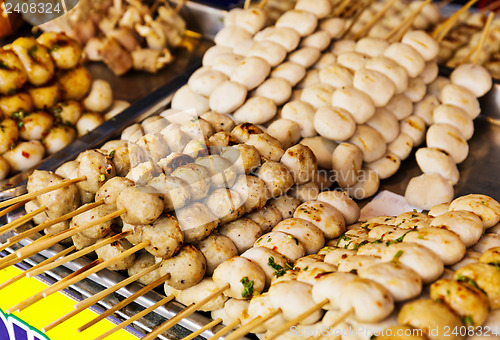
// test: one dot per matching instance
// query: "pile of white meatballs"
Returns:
(360, 106)
(47, 99)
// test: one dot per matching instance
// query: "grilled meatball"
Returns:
(430, 315)
(143, 204)
(243, 232)
(196, 222)
(244, 277)
(465, 300)
(186, 269)
(111, 189)
(96, 167)
(98, 231)
(216, 249)
(252, 191)
(114, 249)
(144, 260)
(164, 235)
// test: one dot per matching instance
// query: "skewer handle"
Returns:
(76, 255)
(182, 314)
(376, 18)
(64, 284)
(247, 328)
(50, 259)
(47, 224)
(297, 320)
(125, 302)
(38, 246)
(135, 317)
(84, 304)
(21, 220)
(204, 328)
(226, 329)
(34, 194)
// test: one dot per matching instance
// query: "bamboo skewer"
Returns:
(67, 281)
(182, 314)
(21, 220)
(50, 223)
(296, 320)
(484, 35)
(38, 296)
(406, 24)
(84, 304)
(353, 9)
(341, 7)
(136, 317)
(125, 302)
(441, 31)
(202, 329)
(37, 246)
(12, 208)
(34, 194)
(247, 3)
(23, 274)
(77, 254)
(356, 17)
(12, 259)
(374, 20)
(262, 4)
(226, 329)
(338, 320)
(247, 328)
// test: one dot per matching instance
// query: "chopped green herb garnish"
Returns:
(20, 124)
(102, 178)
(420, 237)
(377, 241)
(397, 255)
(467, 320)
(112, 153)
(306, 268)
(32, 50)
(360, 244)
(247, 292)
(289, 266)
(259, 239)
(397, 240)
(439, 301)
(483, 202)
(2, 128)
(290, 236)
(269, 239)
(468, 280)
(414, 215)
(387, 219)
(18, 114)
(278, 269)
(3, 65)
(343, 237)
(496, 265)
